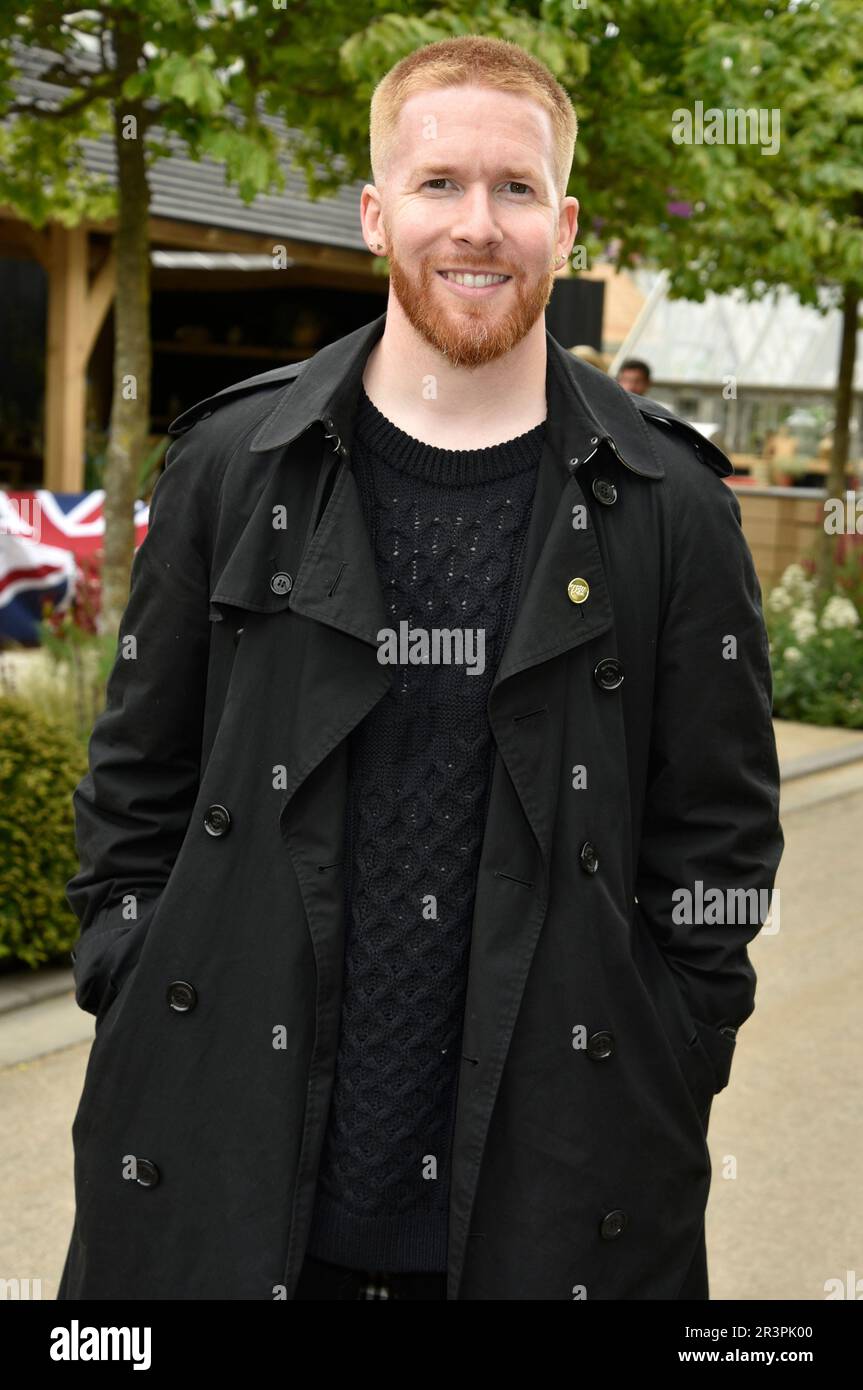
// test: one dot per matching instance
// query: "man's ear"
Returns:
(569, 212)
(371, 217)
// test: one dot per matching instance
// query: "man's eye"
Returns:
(510, 183)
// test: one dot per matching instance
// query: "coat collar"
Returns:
(333, 573)
(326, 388)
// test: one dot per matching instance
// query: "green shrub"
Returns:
(65, 678)
(816, 647)
(41, 762)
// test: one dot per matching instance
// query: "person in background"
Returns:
(634, 376)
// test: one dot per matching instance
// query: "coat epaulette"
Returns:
(704, 449)
(277, 377)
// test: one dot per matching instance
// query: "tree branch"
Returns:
(93, 93)
(58, 70)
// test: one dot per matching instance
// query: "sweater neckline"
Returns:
(378, 435)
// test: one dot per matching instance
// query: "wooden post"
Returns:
(65, 384)
(76, 311)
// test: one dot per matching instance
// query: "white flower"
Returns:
(780, 600)
(793, 655)
(839, 612)
(803, 624)
(794, 581)
(793, 574)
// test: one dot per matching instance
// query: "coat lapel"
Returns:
(334, 600)
(338, 599)
(319, 567)
(527, 692)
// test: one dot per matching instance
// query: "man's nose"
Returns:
(476, 218)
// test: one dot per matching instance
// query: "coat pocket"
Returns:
(685, 1034)
(113, 988)
(718, 1045)
(105, 955)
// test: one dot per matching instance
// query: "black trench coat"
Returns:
(597, 1027)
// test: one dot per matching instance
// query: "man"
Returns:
(443, 692)
(634, 375)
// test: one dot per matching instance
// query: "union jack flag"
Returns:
(50, 547)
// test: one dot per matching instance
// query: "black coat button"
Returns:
(588, 858)
(604, 492)
(217, 820)
(600, 1046)
(148, 1173)
(611, 1225)
(182, 996)
(608, 673)
(281, 583)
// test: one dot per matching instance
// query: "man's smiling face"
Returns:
(477, 197)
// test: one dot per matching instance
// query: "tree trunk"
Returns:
(836, 480)
(130, 405)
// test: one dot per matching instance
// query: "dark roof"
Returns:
(187, 190)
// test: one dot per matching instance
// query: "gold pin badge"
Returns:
(578, 590)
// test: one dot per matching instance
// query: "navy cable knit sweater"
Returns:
(448, 528)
